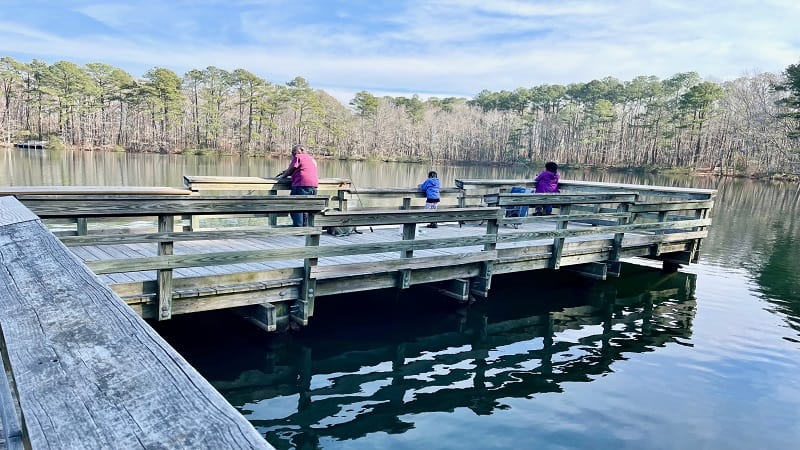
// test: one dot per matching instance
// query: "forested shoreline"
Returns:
(747, 126)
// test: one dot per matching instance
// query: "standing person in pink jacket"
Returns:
(546, 182)
(303, 170)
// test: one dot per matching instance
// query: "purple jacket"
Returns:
(546, 182)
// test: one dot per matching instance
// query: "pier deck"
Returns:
(82, 370)
(173, 253)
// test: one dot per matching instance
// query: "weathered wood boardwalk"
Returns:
(174, 253)
(82, 370)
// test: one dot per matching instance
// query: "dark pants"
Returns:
(301, 219)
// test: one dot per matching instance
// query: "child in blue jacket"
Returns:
(431, 187)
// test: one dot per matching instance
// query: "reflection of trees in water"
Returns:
(745, 216)
(347, 380)
(778, 278)
(756, 226)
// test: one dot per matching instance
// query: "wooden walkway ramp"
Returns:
(82, 370)
(173, 253)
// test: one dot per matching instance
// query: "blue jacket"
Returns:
(431, 187)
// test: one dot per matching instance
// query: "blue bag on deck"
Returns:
(517, 211)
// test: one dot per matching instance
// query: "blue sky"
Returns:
(435, 47)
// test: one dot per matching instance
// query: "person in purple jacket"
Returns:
(546, 182)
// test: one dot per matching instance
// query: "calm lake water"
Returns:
(708, 357)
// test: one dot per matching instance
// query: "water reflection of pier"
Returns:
(472, 361)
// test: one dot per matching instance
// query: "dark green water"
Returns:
(708, 357)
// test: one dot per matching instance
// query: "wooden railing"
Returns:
(199, 183)
(81, 370)
(402, 198)
(331, 188)
(612, 212)
(573, 186)
(591, 230)
(165, 209)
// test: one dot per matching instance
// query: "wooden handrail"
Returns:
(507, 199)
(398, 217)
(69, 342)
(576, 186)
(91, 190)
(133, 206)
(224, 183)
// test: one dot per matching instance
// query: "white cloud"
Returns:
(446, 47)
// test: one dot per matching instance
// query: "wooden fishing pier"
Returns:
(225, 243)
(220, 243)
(36, 145)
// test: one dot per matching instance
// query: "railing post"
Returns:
(662, 217)
(188, 222)
(82, 225)
(615, 252)
(409, 232)
(698, 214)
(272, 217)
(406, 203)
(304, 306)
(342, 199)
(166, 223)
(558, 243)
(483, 282)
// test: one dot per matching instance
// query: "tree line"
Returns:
(748, 125)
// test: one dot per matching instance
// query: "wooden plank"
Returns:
(618, 237)
(277, 254)
(563, 199)
(92, 190)
(409, 232)
(88, 372)
(457, 289)
(397, 217)
(572, 217)
(262, 316)
(435, 274)
(181, 236)
(164, 276)
(665, 191)
(671, 206)
(593, 270)
(72, 206)
(533, 235)
(345, 270)
(308, 293)
(149, 287)
(224, 301)
(217, 183)
(466, 183)
(400, 192)
(14, 212)
(558, 242)
(12, 433)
